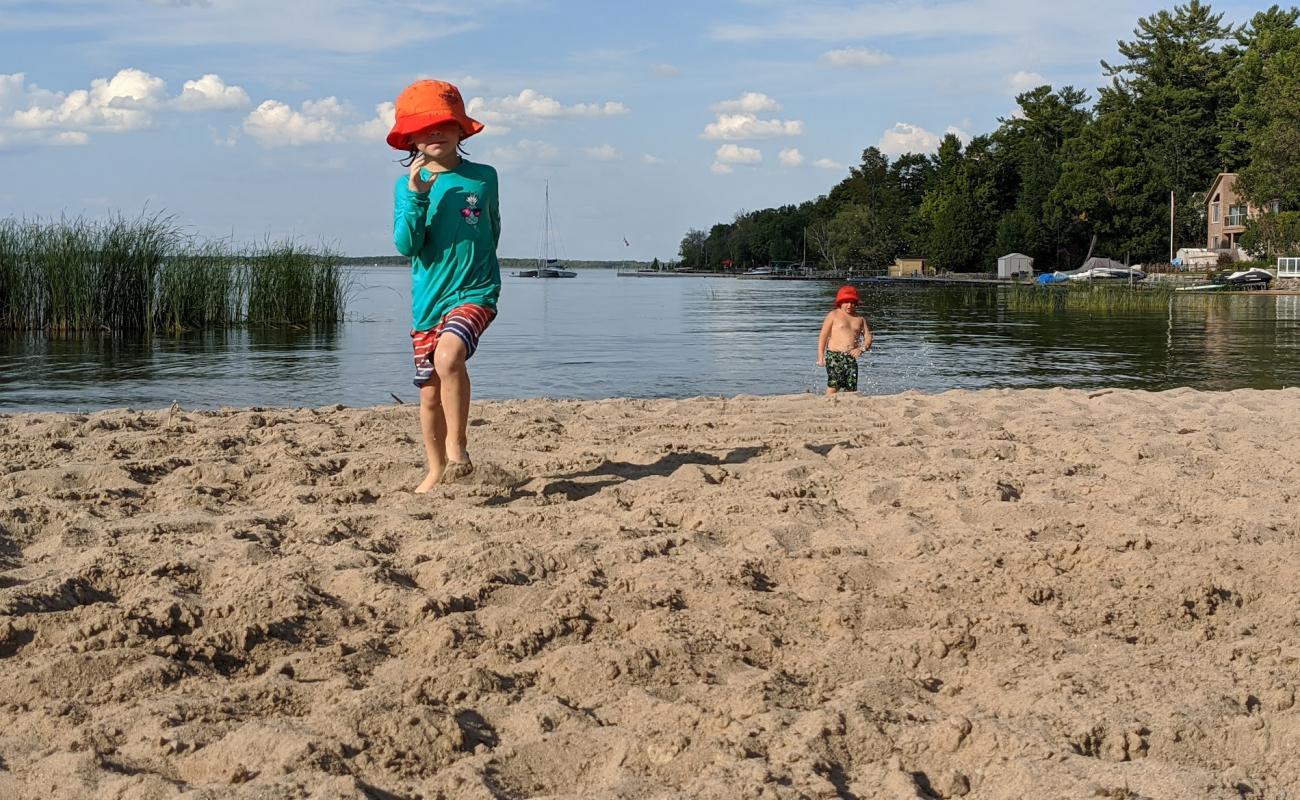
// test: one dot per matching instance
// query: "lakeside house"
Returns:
(1226, 215)
(908, 267)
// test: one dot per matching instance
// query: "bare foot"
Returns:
(429, 481)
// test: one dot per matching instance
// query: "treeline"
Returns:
(1189, 96)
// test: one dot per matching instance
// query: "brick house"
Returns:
(1226, 214)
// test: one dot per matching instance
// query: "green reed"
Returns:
(145, 274)
(1091, 298)
(198, 287)
(288, 283)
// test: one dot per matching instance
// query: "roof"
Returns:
(1209, 196)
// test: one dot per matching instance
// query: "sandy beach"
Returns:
(997, 594)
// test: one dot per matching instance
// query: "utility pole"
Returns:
(1171, 226)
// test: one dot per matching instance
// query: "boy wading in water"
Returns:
(446, 217)
(844, 337)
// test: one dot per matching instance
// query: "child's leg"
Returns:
(449, 363)
(433, 428)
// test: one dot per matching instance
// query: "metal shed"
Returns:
(1014, 264)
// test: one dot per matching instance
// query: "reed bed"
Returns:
(145, 275)
(1091, 298)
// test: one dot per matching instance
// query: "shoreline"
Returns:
(986, 594)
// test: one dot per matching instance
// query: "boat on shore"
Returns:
(1102, 270)
(1244, 280)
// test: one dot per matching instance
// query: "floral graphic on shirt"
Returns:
(471, 212)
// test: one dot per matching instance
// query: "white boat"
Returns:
(1104, 269)
(547, 267)
(1253, 278)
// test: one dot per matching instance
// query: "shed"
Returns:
(906, 267)
(1014, 264)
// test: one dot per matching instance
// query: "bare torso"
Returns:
(846, 331)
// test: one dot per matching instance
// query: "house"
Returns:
(1226, 214)
(907, 267)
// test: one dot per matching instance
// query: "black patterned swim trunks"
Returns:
(841, 371)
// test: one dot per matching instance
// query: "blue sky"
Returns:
(254, 119)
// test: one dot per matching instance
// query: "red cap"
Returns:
(846, 294)
(424, 104)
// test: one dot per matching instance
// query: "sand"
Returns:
(997, 594)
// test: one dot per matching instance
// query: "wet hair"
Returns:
(411, 154)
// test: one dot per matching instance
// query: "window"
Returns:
(1215, 216)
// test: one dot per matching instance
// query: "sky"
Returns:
(255, 120)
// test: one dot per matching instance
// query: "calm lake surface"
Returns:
(599, 336)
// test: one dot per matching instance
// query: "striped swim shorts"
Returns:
(466, 323)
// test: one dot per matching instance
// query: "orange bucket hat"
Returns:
(425, 104)
(846, 294)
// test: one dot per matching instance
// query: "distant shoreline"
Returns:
(506, 263)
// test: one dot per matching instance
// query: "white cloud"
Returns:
(275, 124)
(525, 151)
(118, 104)
(666, 70)
(377, 127)
(856, 57)
(652, 160)
(210, 93)
(735, 154)
(748, 126)
(729, 155)
(826, 163)
(747, 103)
(1021, 81)
(604, 152)
(790, 157)
(905, 137)
(531, 106)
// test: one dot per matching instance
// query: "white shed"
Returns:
(1009, 266)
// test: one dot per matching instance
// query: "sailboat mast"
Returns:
(546, 227)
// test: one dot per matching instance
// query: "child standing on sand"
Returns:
(844, 337)
(446, 217)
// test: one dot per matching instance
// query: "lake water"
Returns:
(599, 336)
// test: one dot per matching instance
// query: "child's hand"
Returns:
(416, 183)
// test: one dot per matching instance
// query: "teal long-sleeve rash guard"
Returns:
(451, 234)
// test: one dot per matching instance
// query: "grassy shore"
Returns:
(145, 274)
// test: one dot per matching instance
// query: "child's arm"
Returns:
(409, 211)
(494, 211)
(864, 339)
(822, 340)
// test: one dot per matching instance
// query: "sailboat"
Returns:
(547, 267)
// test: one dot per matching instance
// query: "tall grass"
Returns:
(1093, 298)
(145, 275)
(198, 288)
(290, 284)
